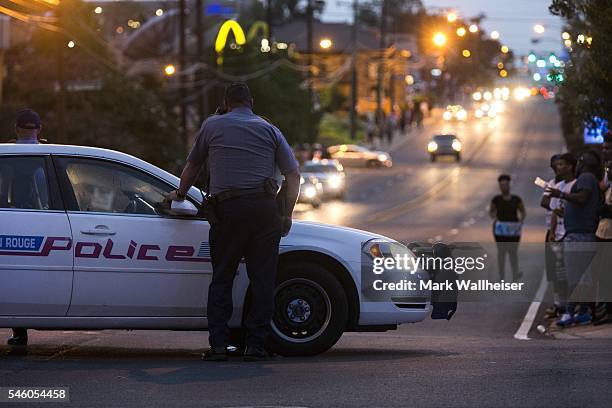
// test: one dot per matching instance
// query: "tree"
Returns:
(587, 78)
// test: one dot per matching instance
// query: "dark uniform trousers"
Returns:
(249, 227)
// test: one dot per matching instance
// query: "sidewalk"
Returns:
(581, 332)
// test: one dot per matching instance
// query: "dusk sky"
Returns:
(514, 19)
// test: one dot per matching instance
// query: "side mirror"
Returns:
(183, 208)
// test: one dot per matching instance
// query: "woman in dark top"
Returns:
(508, 212)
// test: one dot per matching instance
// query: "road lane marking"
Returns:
(525, 327)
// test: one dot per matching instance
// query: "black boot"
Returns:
(255, 353)
(215, 354)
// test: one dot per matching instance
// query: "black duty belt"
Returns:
(227, 194)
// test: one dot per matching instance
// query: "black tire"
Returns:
(311, 310)
(458, 157)
(432, 157)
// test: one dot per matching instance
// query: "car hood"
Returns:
(342, 243)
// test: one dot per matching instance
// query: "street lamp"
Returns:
(461, 31)
(439, 39)
(98, 10)
(494, 35)
(326, 43)
(451, 17)
(473, 28)
(169, 70)
(505, 49)
(539, 28)
(466, 53)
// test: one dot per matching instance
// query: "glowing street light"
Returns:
(325, 43)
(466, 53)
(409, 80)
(98, 10)
(159, 12)
(473, 28)
(566, 35)
(169, 70)
(503, 73)
(461, 31)
(539, 29)
(439, 39)
(494, 35)
(451, 17)
(505, 49)
(71, 44)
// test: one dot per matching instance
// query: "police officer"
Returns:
(243, 152)
(27, 130)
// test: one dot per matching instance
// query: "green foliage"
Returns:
(335, 130)
(587, 87)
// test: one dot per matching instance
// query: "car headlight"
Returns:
(334, 182)
(478, 113)
(432, 146)
(447, 115)
(456, 145)
(462, 114)
(382, 157)
(310, 192)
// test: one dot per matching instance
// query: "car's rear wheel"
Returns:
(432, 158)
(311, 310)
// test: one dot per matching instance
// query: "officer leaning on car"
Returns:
(243, 152)
(27, 129)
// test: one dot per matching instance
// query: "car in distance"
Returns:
(455, 112)
(444, 145)
(87, 244)
(311, 191)
(350, 155)
(331, 175)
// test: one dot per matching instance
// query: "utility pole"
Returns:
(60, 66)
(200, 53)
(381, 63)
(309, 51)
(181, 72)
(354, 90)
(269, 19)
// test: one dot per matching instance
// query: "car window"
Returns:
(444, 138)
(101, 186)
(23, 183)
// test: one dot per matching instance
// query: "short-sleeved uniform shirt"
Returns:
(242, 150)
(583, 218)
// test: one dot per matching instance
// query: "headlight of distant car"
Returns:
(447, 115)
(383, 157)
(334, 182)
(462, 114)
(456, 145)
(479, 113)
(432, 146)
(310, 192)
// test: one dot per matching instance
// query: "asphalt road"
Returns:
(473, 360)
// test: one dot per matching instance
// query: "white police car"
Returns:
(84, 245)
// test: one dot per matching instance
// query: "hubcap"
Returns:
(298, 310)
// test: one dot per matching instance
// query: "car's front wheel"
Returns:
(311, 310)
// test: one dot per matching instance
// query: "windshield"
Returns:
(319, 168)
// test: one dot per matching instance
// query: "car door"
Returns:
(35, 239)
(130, 259)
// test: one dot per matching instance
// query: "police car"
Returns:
(85, 244)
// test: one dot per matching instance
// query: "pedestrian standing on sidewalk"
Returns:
(565, 168)
(604, 237)
(508, 213)
(581, 219)
(549, 255)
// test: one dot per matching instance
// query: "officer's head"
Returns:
(237, 95)
(27, 124)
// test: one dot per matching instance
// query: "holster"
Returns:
(208, 210)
